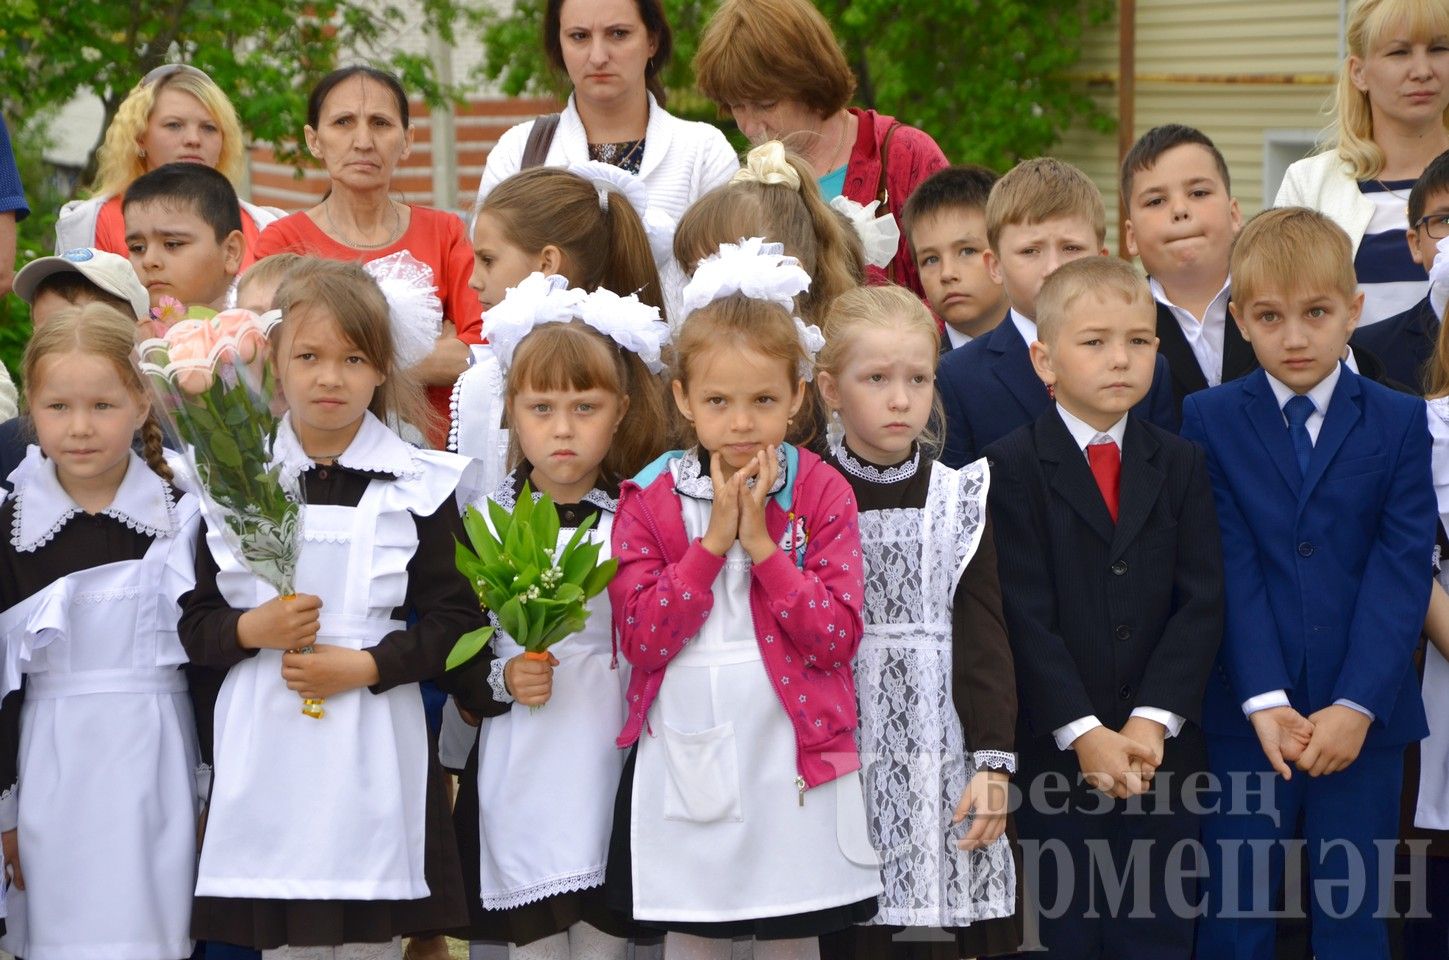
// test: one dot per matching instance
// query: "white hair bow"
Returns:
(633, 325)
(760, 271)
(1439, 280)
(607, 178)
(767, 164)
(415, 314)
(879, 235)
(537, 300)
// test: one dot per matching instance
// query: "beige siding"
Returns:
(1188, 53)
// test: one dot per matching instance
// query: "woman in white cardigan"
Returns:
(613, 52)
(1390, 120)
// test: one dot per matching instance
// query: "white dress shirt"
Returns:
(1085, 434)
(956, 338)
(1027, 328)
(1320, 397)
(1205, 335)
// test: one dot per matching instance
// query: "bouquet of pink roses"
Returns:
(213, 386)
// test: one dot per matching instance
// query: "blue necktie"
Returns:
(1298, 409)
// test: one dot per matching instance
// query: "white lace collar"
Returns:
(375, 449)
(693, 482)
(871, 473)
(143, 502)
(506, 496)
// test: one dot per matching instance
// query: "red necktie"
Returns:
(1106, 463)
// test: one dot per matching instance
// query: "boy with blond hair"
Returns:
(1040, 215)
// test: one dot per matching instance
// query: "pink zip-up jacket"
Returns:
(805, 600)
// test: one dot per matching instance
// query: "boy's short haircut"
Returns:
(1291, 249)
(272, 270)
(964, 187)
(193, 185)
(1434, 179)
(1150, 147)
(1068, 283)
(1043, 189)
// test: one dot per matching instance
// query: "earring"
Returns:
(1051, 391)
(141, 153)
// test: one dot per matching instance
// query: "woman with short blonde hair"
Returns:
(176, 113)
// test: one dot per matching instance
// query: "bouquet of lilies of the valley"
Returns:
(537, 592)
(213, 387)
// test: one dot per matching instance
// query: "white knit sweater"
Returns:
(683, 160)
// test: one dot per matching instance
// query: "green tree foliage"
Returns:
(989, 79)
(264, 53)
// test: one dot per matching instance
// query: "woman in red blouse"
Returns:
(358, 126)
(776, 67)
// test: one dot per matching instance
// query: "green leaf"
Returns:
(523, 509)
(469, 645)
(578, 564)
(467, 563)
(569, 593)
(600, 577)
(546, 524)
(224, 451)
(511, 618)
(478, 533)
(502, 521)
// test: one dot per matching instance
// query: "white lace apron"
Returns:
(912, 750)
(556, 765)
(330, 809)
(1432, 809)
(108, 768)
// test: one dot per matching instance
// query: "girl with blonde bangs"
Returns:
(934, 677)
(1390, 118)
(176, 112)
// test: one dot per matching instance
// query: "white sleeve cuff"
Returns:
(10, 808)
(1353, 706)
(1265, 701)
(495, 680)
(994, 760)
(1167, 718)
(1066, 736)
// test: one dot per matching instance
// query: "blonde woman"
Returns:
(176, 113)
(1390, 119)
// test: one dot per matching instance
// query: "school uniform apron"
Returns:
(1432, 810)
(329, 809)
(547, 776)
(108, 767)
(912, 748)
(719, 831)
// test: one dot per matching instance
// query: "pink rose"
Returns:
(191, 343)
(244, 329)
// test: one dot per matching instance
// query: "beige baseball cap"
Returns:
(108, 271)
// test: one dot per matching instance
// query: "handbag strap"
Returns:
(882, 188)
(540, 138)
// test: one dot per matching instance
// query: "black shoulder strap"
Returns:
(540, 138)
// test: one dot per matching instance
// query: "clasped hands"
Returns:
(739, 509)
(291, 623)
(1323, 743)
(1121, 764)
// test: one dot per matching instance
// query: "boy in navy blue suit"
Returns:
(1111, 584)
(1042, 214)
(1406, 342)
(1327, 510)
(945, 224)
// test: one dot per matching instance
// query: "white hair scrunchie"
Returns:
(633, 325)
(758, 270)
(415, 314)
(880, 236)
(1439, 280)
(767, 164)
(606, 178)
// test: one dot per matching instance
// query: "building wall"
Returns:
(1248, 74)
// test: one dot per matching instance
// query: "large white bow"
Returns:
(537, 300)
(415, 314)
(658, 225)
(879, 235)
(758, 270)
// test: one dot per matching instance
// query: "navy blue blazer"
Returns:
(1404, 342)
(989, 388)
(1327, 575)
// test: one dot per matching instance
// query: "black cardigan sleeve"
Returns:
(983, 679)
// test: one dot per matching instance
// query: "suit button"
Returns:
(1119, 568)
(1305, 549)
(1124, 632)
(1125, 693)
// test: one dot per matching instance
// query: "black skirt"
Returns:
(619, 888)
(532, 921)
(268, 924)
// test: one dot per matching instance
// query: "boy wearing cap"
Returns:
(78, 277)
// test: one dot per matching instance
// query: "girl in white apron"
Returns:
(935, 657)
(738, 604)
(585, 411)
(330, 837)
(101, 769)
